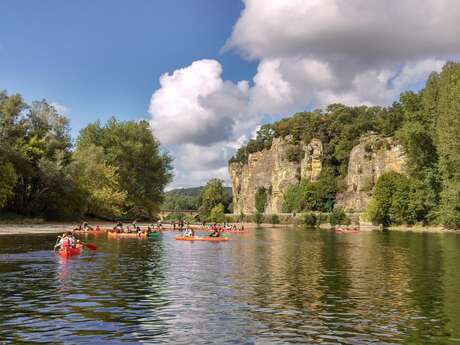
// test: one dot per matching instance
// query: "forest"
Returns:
(426, 123)
(111, 171)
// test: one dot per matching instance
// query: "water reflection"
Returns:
(269, 286)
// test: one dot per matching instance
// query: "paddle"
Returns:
(89, 245)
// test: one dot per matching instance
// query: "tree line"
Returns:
(113, 170)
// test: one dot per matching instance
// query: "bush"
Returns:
(338, 216)
(275, 219)
(310, 219)
(258, 218)
(260, 199)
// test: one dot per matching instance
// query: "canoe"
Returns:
(92, 232)
(69, 251)
(154, 235)
(112, 234)
(201, 238)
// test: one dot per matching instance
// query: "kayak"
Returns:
(154, 235)
(112, 234)
(92, 232)
(69, 251)
(201, 238)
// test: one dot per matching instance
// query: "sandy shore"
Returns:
(57, 227)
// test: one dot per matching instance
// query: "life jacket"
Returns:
(65, 242)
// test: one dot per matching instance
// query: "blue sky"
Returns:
(104, 58)
(164, 61)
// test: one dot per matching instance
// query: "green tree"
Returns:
(100, 182)
(260, 199)
(390, 200)
(7, 181)
(143, 170)
(217, 214)
(212, 195)
(448, 129)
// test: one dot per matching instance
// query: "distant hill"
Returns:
(192, 191)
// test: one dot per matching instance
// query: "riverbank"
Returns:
(60, 227)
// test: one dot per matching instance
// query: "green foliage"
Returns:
(448, 129)
(294, 153)
(338, 216)
(105, 197)
(258, 218)
(390, 201)
(115, 169)
(260, 199)
(312, 196)
(275, 219)
(310, 219)
(213, 194)
(143, 170)
(7, 181)
(217, 214)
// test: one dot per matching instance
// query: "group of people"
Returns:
(137, 229)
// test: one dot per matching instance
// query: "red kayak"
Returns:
(69, 251)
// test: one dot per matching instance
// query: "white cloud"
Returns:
(310, 53)
(194, 105)
(61, 109)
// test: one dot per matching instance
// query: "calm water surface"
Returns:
(271, 286)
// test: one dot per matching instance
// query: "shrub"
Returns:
(275, 219)
(310, 219)
(258, 218)
(260, 199)
(338, 216)
(217, 214)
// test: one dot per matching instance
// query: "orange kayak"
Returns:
(112, 234)
(201, 238)
(69, 251)
(92, 232)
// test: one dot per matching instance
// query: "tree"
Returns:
(100, 182)
(217, 214)
(260, 199)
(212, 195)
(7, 181)
(390, 200)
(143, 170)
(448, 129)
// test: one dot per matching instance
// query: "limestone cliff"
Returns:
(372, 157)
(275, 170)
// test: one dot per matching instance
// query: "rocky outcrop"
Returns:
(372, 157)
(275, 170)
(310, 166)
(270, 169)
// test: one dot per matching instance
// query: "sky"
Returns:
(208, 73)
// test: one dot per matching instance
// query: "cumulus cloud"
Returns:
(194, 105)
(310, 53)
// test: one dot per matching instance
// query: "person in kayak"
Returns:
(189, 232)
(86, 227)
(215, 233)
(67, 241)
(118, 227)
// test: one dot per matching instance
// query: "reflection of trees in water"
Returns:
(428, 321)
(280, 280)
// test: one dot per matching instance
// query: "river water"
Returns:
(271, 286)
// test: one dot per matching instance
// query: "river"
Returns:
(270, 286)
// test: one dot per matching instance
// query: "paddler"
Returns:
(118, 227)
(215, 233)
(86, 227)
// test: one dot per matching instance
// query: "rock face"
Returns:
(273, 170)
(270, 169)
(310, 166)
(372, 157)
